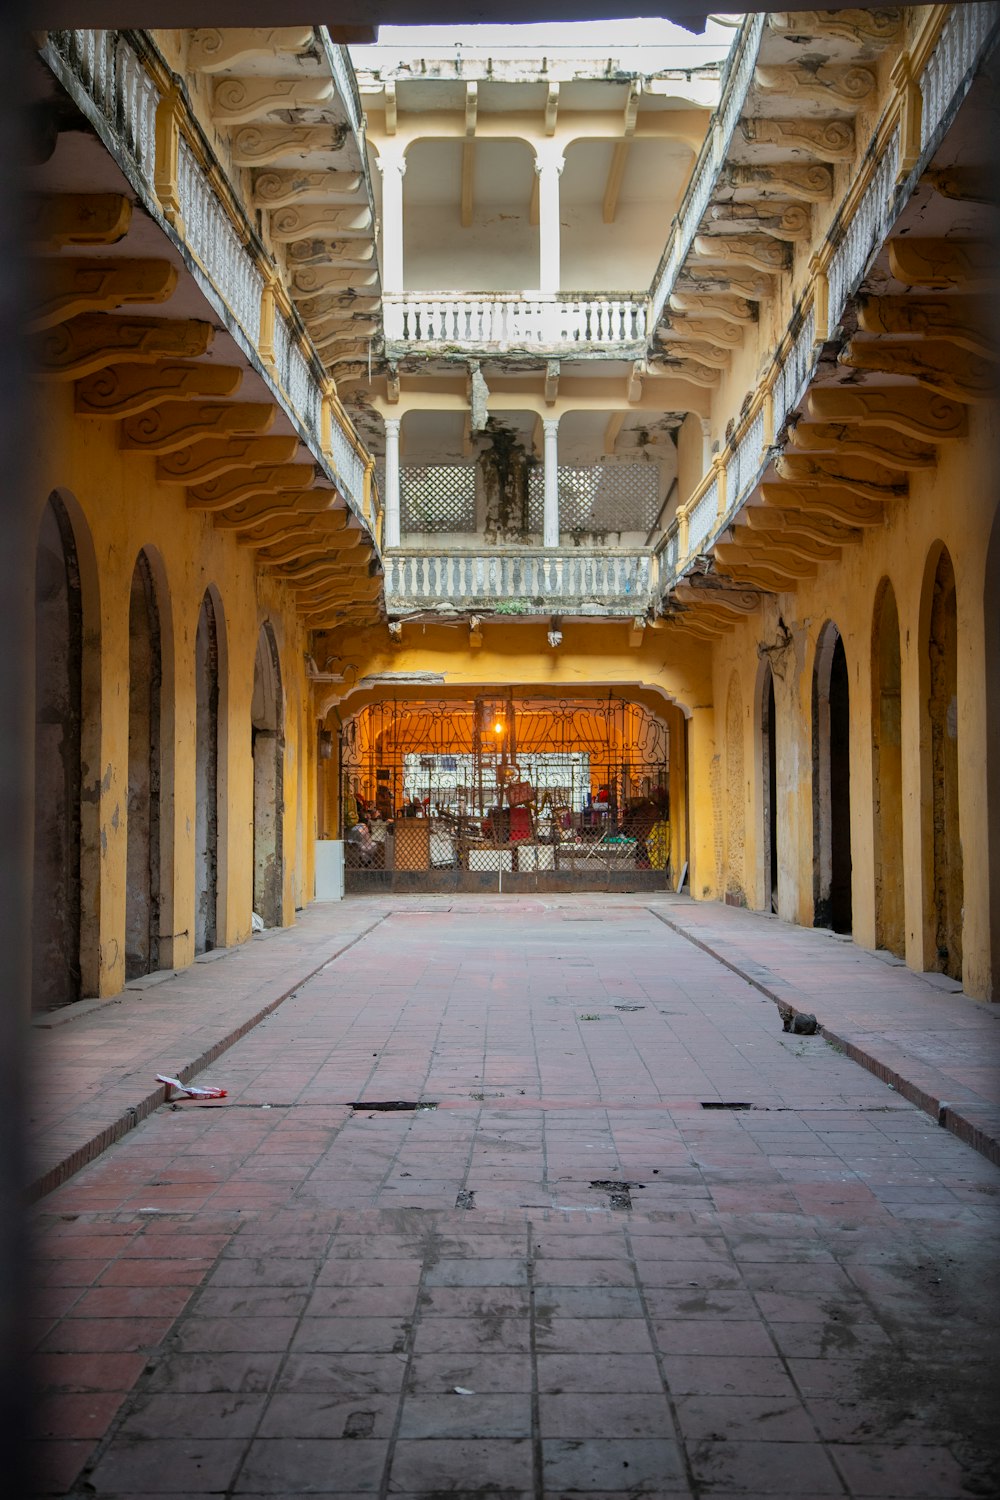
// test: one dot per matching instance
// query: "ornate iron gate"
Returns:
(503, 793)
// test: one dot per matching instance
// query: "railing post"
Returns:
(166, 175)
(910, 110)
(768, 414)
(821, 296)
(719, 465)
(326, 421)
(683, 533)
(268, 313)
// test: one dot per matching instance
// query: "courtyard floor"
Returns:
(612, 1232)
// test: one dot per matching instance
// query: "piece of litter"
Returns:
(461, 1391)
(265, 1106)
(190, 1090)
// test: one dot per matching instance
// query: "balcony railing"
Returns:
(524, 581)
(119, 82)
(949, 49)
(505, 322)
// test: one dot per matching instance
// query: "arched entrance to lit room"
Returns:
(268, 748)
(208, 682)
(143, 874)
(56, 905)
(887, 773)
(831, 784)
(943, 919)
(768, 787)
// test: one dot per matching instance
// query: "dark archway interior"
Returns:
(142, 900)
(948, 884)
(267, 736)
(888, 778)
(771, 796)
(58, 704)
(831, 785)
(840, 793)
(206, 778)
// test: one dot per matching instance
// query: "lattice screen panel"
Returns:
(437, 497)
(600, 497)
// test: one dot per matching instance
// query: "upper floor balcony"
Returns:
(189, 180)
(542, 324)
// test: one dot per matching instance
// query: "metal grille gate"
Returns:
(505, 794)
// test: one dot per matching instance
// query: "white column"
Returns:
(549, 168)
(392, 166)
(550, 522)
(392, 482)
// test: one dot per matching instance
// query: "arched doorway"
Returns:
(268, 749)
(831, 784)
(207, 678)
(143, 882)
(946, 887)
(769, 788)
(56, 907)
(887, 774)
(735, 797)
(991, 627)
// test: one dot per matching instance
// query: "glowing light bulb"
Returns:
(498, 728)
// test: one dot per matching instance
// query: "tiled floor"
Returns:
(567, 1278)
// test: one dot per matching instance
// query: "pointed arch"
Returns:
(831, 783)
(887, 772)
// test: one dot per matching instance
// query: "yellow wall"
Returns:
(118, 508)
(954, 506)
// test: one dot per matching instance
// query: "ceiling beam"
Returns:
(615, 424)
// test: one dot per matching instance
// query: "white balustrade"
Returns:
(865, 233)
(348, 465)
(529, 580)
(739, 75)
(959, 46)
(212, 237)
(513, 321)
(745, 460)
(702, 521)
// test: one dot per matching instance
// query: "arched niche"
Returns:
(67, 862)
(991, 629)
(267, 735)
(144, 842)
(209, 770)
(887, 773)
(735, 796)
(831, 746)
(767, 770)
(940, 742)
